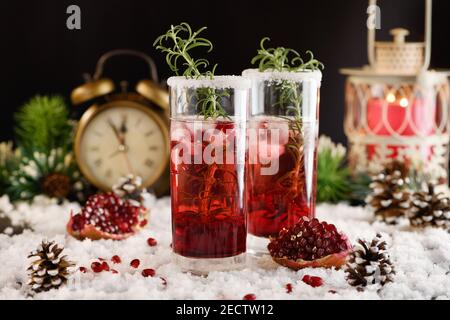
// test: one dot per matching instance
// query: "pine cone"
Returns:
(390, 197)
(56, 185)
(370, 264)
(130, 188)
(50, 270)
(430, 209)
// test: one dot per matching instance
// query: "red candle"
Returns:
(389, 117)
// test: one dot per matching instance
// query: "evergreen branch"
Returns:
(333, 177)
(43, 124)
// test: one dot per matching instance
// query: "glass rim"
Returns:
(218, 82)
(298, 76)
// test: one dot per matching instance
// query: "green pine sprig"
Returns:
(44, 134)
(25, 180)
(177, 43)
(43, 124)
(333, 177)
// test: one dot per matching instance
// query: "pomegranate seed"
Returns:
(152, 242)
(105, 266)
(143, 223)
(164, 281)
(114, 271)
(332, 291)
(82, 269)
(135, 263)
(289, 288)
(148, 273)
(96, 267)
(312, 281)
(249, 296)
(116, 259)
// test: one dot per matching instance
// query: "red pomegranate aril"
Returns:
(114, 271)
(135, 263)
(143, 223)
(82, 269)
(116, 259)
(310, 243)
(148, 273)
(151, 242)
(105, 266)
(107, 216)
(96, 267)
(312, 281)
(249, 296)
(289, 288)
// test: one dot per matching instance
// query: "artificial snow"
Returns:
(421, 260)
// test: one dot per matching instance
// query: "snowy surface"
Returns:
(422, 261)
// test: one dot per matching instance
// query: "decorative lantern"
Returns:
(397, 109)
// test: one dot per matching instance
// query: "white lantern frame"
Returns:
(421, 93)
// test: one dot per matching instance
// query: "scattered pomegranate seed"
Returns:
(116, 259)
(114, 271)
(312, 281)
(289, 288)
(332, 291)
(152, 242)
(164, 281)
(105, 266)
(96, 267)
(135, 263)
(143, 223)
(82, 269)
(148, 273)
(250, 296)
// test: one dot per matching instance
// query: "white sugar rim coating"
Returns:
(298, 76)
(218, 82)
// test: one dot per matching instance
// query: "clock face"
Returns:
(120, 138)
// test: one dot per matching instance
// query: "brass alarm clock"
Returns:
(125, 132)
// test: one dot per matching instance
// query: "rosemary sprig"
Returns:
(284, 59)
(289, 101)
(177, 43)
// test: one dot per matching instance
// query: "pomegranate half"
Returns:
(310, 244)
(107, 216)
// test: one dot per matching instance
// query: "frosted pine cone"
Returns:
(49, 269)
(390, 197)
(430, 209)
(130, 188)
(370, 264)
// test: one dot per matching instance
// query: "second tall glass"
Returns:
(208, 145)
(281, 161)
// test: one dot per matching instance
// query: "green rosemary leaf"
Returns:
(177, 43)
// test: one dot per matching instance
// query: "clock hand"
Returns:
(123, 126)
(116, 132)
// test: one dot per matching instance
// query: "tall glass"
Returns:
(281, 160)
(208, 145)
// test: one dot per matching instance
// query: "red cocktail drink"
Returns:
(207, 215)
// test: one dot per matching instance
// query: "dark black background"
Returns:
(40, 55)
